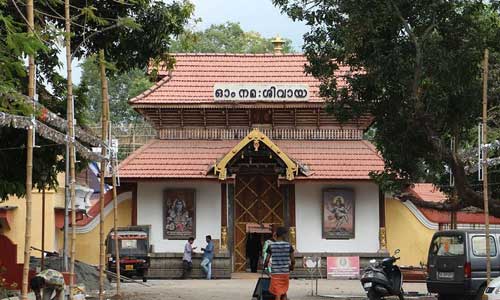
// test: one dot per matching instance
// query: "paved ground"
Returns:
(237, 289)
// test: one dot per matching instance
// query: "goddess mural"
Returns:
(178, 218)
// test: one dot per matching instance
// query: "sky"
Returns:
(253, 15)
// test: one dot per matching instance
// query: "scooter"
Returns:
(383, 278)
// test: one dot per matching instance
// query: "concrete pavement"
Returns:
(242, 289)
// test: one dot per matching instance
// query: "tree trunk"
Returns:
(29, 160)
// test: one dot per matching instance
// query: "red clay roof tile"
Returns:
(430, 193)
(193, 158)
(194, 75)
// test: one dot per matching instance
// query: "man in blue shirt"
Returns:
(208, 256)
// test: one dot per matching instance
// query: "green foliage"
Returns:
(131, 32)
(229, 38)
(122, 87)
(13, 44)
(416, 67)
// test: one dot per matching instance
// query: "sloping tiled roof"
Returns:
(430, 193)
(194, 75)
(194, 158)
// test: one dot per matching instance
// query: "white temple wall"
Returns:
(308, 202)
(150, 212)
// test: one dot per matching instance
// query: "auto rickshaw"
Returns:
(133, 244)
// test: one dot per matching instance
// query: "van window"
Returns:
(448, 245)
(479, 246)
(129, 244)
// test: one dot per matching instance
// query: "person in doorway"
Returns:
(266, 246)
(208, 256)
(187, 259)
(51, 282)
(253, 250)
(281, 253)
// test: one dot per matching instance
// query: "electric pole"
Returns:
(71, 148)
(485, 166)
(104, 137)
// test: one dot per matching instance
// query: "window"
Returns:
(452, 245)
(129, 244)
(479, 246)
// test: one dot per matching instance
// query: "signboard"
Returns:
(114, 147)
(259, 228)
(311, 262)
(261, 92)
(346, 267)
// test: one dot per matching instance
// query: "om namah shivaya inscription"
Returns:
(261, 92)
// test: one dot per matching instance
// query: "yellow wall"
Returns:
(16, 233)
(87, 244)
(405, 232)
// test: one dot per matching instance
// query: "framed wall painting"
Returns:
(338, 211)
(179, 214)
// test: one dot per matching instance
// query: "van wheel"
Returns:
(444, 297)
(480, 293)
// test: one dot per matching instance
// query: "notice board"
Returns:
(342, 267)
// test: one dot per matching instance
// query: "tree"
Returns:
(416, 68)
(118, 26)
(228, 37)
(122, 87)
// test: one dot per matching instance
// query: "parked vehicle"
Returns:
(383, 278)
(134, 251)
(493, 290)
(457, 263)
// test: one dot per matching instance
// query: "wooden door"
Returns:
(257, 199)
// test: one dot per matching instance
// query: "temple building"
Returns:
(244, 142)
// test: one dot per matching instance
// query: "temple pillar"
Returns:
(223, 221)
(382, 228)
(289, 197)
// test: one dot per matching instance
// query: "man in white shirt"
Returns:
(187, 259)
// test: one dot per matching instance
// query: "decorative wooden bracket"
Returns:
(255, 137)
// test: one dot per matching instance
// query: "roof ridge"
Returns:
(373, 148)
(234, 54)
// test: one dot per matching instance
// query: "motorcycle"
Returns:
(383, 278)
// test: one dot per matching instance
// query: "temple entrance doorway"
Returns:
(258, 203)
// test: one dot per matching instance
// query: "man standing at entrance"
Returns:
(281, 253)
(208, 256)
(253, 250)
(187, 259)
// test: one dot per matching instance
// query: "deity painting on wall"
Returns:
(338, 213)
(179, 214)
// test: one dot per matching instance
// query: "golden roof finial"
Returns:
(278, 43)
